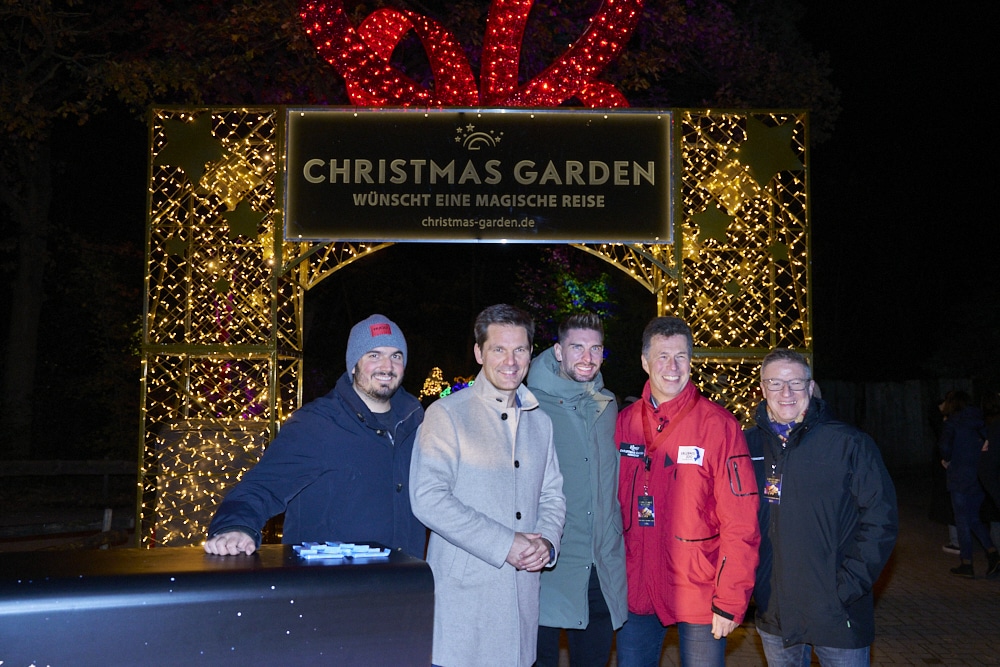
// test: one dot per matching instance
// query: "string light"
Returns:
(458, 384)
(362, 57)
(222, 354)
(434, 384)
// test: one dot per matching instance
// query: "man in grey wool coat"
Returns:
(485, 479)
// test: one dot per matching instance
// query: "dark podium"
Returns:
(181, 606)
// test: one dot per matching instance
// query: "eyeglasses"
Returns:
(775, 384)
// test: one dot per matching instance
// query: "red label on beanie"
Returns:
(380, 329)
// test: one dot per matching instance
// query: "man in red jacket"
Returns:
(689, 510)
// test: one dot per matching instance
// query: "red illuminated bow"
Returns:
(362, 57)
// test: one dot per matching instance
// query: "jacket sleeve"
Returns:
(433, 477)
(288, 465)
(946, 443)
(736, 500)
(551, 502)
(878, 523)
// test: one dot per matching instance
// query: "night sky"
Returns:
(905, 243)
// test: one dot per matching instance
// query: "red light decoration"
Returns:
(362, 57)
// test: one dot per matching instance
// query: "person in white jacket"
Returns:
(485, 479)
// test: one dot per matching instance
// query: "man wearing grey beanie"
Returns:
(339, 468)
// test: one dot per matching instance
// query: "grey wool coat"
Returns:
(583, 421)
(475, 483)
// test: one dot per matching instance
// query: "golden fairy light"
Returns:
(434, 384)
(222, 338)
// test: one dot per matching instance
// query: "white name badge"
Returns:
(690, 455)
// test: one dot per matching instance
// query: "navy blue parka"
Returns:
(336, 473)
(823, 546)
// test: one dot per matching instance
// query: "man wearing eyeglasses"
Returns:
(828, 522)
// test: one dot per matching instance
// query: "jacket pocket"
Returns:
(457, 562)
(742, 481)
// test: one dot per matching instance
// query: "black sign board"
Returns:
(478, 175)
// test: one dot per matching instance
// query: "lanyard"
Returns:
(651, 441)
(782, 431)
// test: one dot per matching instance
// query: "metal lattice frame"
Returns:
(222, 336)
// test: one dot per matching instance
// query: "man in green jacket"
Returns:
(584, 593)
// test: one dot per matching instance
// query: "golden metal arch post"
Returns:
(221, 348)
(224, 292)
(744, 271)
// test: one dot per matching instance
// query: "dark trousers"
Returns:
(968, 523)
(590, 647)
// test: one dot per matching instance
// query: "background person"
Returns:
(961, 446)
(339, 467)
(989, 460)
(940, 506)
(485, 480)
(828, 523)
(689, 510)
(585, 592)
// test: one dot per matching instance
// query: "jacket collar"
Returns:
(402, 402)
(676, 404)
(816, 412)
(544, 376)
(485, 391)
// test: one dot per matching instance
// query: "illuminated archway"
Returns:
(224, 293)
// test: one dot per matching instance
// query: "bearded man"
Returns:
(339, 468)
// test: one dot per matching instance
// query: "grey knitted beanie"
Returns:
(376, 331)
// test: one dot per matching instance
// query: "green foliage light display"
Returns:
(558, 286)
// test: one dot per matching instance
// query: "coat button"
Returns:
(518, 515)
(399, 487)
(504, 416)
(517, 464)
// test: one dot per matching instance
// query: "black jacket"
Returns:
(337, 473)
(961, 445)
(824, 544)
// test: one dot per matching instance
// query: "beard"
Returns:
(580, 377)
(376, 389)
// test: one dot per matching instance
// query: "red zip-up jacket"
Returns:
(700, 553)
